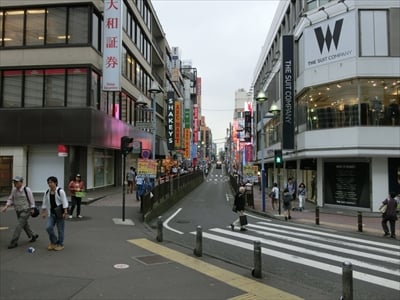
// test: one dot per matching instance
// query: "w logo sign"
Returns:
(327, 39)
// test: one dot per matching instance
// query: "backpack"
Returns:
(58, 192)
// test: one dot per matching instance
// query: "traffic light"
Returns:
(125, 145)
(278, 158)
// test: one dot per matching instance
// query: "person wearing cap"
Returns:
(22, 199)
(74, 186)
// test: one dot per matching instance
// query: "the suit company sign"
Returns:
(330, 41)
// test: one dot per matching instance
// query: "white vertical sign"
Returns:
(112, 45)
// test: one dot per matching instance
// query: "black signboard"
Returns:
(347, 183)
(288, 92)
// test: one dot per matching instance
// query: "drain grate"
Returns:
(152, 259)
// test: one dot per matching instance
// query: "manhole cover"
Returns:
(152, 259)
(121, 266)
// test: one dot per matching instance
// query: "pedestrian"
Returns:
(130, 177)
(274, 195)
(302, 193)
(287, 198)
(390, 215)
(55, 207)
(22, 199)
(291, 186)
(239, 205)
(76, 187)
(139, 187)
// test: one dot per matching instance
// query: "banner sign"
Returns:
(147, 168)
(288, 92)
(170, 123)
(187, 142)
(178, 124)
(112, 45)
(195, 123)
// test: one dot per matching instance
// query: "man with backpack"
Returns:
(55, 207)
(22, 199)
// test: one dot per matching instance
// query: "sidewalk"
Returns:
(329, 217)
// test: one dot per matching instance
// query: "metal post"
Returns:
(154, 124)
(123, 186)
(198, 250)
(159, 229)
(256, 272)
(262, 159)
(347, 281)
(280, 191)
(359, 221)
(317, 215)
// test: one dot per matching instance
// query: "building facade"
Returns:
(330, 70)
(55, 117)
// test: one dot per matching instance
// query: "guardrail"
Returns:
(166, 194)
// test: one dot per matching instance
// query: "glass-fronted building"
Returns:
(343, 105)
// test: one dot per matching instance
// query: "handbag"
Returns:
(59, 211)
(36, 211)
(234, 209)
(383, 208)
(243, 220)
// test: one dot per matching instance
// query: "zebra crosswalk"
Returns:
(373, 262)
(216, 178)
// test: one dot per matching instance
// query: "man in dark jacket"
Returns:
(240, 203)
(390, 215)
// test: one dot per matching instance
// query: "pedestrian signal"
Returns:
(278, 158)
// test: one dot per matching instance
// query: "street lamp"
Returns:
(153, 90)
(261, 98)
(275, 110)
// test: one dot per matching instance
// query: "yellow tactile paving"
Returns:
(254, 290)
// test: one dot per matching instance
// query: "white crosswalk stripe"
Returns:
(374, 262)
(216, 178)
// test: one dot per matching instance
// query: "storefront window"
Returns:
(103, 168)
(363, 102)
(77, 87)
(55, 87)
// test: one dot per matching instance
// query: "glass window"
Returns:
(35, 26)
(33, 88)
(95, 32)
(374, 33)
(56, 25)
(78, 25)
(55, 87)
(13, 28)
(77, 87)
(12, 86)
(94, 93)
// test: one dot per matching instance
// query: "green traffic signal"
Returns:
(278, 157)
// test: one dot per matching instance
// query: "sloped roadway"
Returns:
(297, 258)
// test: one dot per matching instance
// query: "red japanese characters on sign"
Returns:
(112, 45)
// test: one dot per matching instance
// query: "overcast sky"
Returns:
(223, 40)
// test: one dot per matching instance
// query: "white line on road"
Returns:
(387, 283)
(165, 223)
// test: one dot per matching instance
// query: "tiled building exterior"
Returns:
(344, 103)
(51, 90)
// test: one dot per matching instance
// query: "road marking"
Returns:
(387, 283)
(3, 228)
(165, 223)
(253, 288)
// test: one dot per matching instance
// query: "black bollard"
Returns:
(257, 271)
(198, 250)
(347, 281)
(359, 221)
(317, 215)
(159, 229)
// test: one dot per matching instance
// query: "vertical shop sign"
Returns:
(187, 143)
(178, 124)
(170, 123)
(112, 45)
(195, 123)
(288, 92)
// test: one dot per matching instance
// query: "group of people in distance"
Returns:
(290, 193)
(55, 207)
(137, 183)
